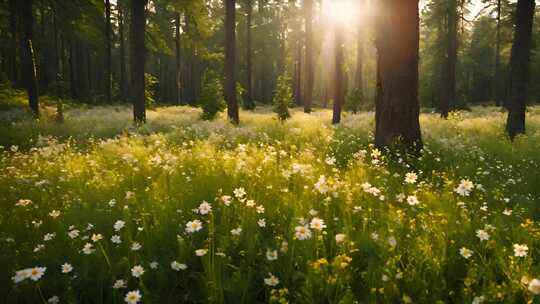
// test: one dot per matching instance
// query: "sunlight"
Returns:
(341, 11)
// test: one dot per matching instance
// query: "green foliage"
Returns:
(282, 98)
(150, 84)
(354, 99)
(211, 96)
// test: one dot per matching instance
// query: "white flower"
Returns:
(478, 300)
(507, 212)
(178, 266)
(320, 185)
(36, 273)
(119, 284)
(240, 193)
(116, 239)
(133, 297)
(411, 178)
(260, 209)
(23, 202)
(330, 161)
(53, 300)
(118, 225)
(412, 200)
(39, 247)
(236, 231)
(271, 280)
(74, 233)
(520, 250)
(137, 271)
(340, 238)
(261, 223)
(66, 268)
(136, 246)
(271, 255)
(465, 187)
(21, 275)
(112, 202)
(317, 224)
(54, 213)
(466, 253)
(201, 252)
(129, 195)
(302, 233)
(482, 235)
(49, 236)
(205, 208)
(226, 199)
(96, 237)
(534, 286)
(193, 226)
(88, 248)
(154, 265)
(392, 241)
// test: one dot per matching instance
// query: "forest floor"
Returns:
(94, 210)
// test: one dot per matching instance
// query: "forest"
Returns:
(269, 151)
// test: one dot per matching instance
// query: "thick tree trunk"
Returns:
(339, 95)
(108, 63)
(497, 78)
(178, 72)
(308, 90)
(298, 74)
(28, 60)
(138, 56)
(230, 78)
(249, 104)
(122, 50)
(519, 68)
(359, 81)
(449, 76)
(397, 107)
(12, 74)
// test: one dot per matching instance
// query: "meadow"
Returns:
(180, 210)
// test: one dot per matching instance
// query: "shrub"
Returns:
(212, 96)
(352, 104)
(150, 83)
(282, 98)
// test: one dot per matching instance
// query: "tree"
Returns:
(282, 98)
(359, 85)
(519, 68)
(28, 61)
(497, 77)
(178, 73)
(308, 91)
(108, 63)
(230, 79)
(248, 99)
(138, 56)
(339, 92)
(396, 105)
(123, 68)
(449, 76)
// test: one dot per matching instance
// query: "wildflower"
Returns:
(302, 233)
(66, 268)
(520, 250)
(116, 239)
(271, 255)
(284, 247)
(112, 202)
(320, 185)
(240, 193)
(482, 235)
(154, 265)
(119, 284)
(193, 226)
(412, 200)
(178, 266)
(73, 233)
(261, 223)
(534, 286)
(478, 300)
(53, 300)
(317, 224)
(136, 246)
(465, 187)
(118, 225)
(137, 271)
(39, 247)
(36, 273)
(271, 280)
(88, 248)
(236, 231)
(250, 203)
(133, 297)
(330, 161)
(21, 275)
(411, 178)
(466, 253)
(340, 238)
(400, 197)
(205, 208)
(507, 212)
(129, 195)
(260, 209)
(23, 202)
(54, 213)
(226, 199)
(392, 241)
(49, 236)
(201, 252)
(96, 237)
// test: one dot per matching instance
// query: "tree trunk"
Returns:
(230, 79)
(178, 72)
(497, 81)
(338, 66)
(449, 76)
(397, 107)
(138, 56)
(519, 68)
(108, 63)
(28, 60)
(359, 81)
(249, 104)
(12, 74)
(122, 50)
(308, 90)
(298, 74)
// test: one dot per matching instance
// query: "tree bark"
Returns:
(497, 81)
(397, 106)
(298, 74)
(519, 68)
(178, 72)
(338, 66)
(108, 63)
(449, 76)
(28, 60)
(138, 56)
(308, 90)
(249, 104)
(230, 78)
(13, 75)
(122, 49)
(359, 81)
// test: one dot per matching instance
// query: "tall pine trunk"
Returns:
(449, 76)
(339, 92)
(308, 90)
(396, 104)
(298, 74)
(519, 68)
(178, 72)
(138, 56)
(249, 104)
(359, 81)
(12, 74)
(230, 78)
(121, 23)
(108, 63)
(497, 78)
(28, 60)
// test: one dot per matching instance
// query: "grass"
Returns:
(301, 212)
